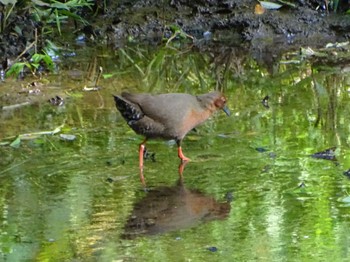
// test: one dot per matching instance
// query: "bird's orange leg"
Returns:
(181, 155)
(179, 152)
(184, 159)
(141, 153)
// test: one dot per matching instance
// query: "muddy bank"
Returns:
(233, 23)
(225, 23)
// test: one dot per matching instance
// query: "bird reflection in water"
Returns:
(166, 209)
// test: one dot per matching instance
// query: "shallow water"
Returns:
(252, 192)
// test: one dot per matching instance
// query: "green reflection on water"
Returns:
(69, 200)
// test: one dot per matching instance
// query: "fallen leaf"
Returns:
(16, 143)
(259, 10)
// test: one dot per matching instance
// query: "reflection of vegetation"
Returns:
(285, 202)
(180, 69)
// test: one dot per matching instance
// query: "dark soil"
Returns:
(223, 23)
(233, 23)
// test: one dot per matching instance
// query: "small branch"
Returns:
(10, 107)
(29, 136)
(12, 167)
(25, 51)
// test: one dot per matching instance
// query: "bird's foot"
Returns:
(181, 155)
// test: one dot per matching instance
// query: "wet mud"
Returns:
(267, 33)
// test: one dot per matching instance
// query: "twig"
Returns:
(25, 51)
(100, 70)
(36, 40)
(51, 132)
(28, 136)
(11, 167)
(177, 33)
(10, 107)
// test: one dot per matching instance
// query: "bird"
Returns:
(167, 116)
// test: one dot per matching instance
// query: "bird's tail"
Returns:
(129, 110)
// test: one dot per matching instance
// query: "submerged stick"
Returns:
(11, 167)
(51, 132)
(34, 135)
(10, 107)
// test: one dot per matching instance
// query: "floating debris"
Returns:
(34, 91)
(212, 249)
(109, 180)
(266, 169)
(272, 155)
(34, 84)
(68, 137)
(148, 155)
(229, 197)
(261, 149)
(328, 154)
(302, 185)
(265, 102)
(56, 101)
(115, 179)
(93, 88)
(10, 107)
(347, 173)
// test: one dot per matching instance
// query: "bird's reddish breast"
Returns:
(193, 119)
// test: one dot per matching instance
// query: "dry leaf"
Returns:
(259, 10)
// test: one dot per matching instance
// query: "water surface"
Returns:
(252, 191)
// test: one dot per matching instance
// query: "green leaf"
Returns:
(175, 28)
(36, 58)
(59, 5)
(16, 143)
(49, 63)
(56, 130)
(39, 141)
(106, 76)
(35, 65)
(16, 68)
(51, 45)
(74, 16)
(58, 23)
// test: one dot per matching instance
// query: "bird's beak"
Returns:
(226, 110)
